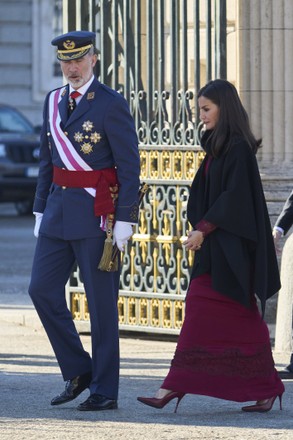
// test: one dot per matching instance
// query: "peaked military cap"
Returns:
(73, 45)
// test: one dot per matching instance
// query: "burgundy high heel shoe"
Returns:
(263, 407)
(160, 403)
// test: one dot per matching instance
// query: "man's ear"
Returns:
(94, 60)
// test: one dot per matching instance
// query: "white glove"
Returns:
(121, 233)
(38, 219)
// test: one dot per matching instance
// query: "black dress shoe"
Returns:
(73, 388)
(287, 373)
(96, 402)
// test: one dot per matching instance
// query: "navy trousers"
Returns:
(52, 266)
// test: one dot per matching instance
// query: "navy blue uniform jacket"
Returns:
(103, 113)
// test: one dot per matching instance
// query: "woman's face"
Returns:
(208, 112)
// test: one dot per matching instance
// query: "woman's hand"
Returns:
(194, 241)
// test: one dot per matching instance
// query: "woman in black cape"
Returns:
(224, 347)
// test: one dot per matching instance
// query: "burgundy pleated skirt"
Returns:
(223, 349)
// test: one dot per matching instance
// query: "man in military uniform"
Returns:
(88, 156)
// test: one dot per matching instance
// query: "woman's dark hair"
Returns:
(233, 120)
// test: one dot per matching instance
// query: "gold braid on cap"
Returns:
(64, 54)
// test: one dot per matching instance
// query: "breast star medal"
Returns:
(95, 137)
(78, 136)
(87, 126)
(86, 148)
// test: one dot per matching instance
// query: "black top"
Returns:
(239, 254)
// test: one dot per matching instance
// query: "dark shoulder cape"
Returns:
(240, 253)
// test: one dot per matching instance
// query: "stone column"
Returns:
(265, 72)
(266, 75)
(249, 61)
(288, 72)
(278, 80)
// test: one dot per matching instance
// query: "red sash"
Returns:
(104, 181)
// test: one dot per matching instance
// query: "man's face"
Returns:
(78, 72)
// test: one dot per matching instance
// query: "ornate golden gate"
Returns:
(156, 53)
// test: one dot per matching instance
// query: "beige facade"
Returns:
(26, 58)
(265, 75)
(259, 63)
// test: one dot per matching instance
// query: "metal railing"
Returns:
(157, 54)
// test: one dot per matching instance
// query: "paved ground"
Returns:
(30, 377)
